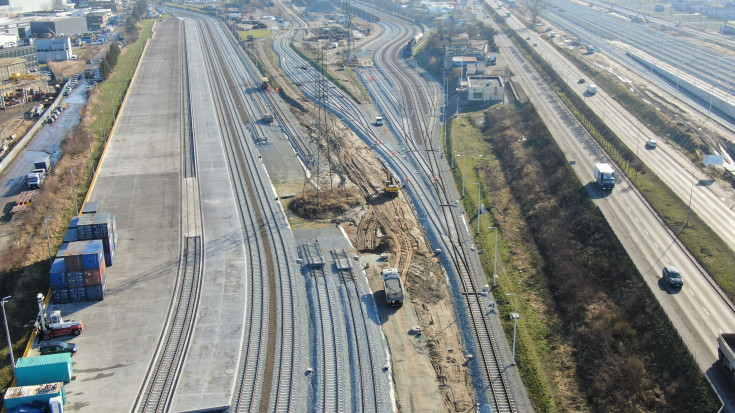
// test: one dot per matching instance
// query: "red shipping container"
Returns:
(95, 276)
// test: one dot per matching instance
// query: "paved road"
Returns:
(138, 181)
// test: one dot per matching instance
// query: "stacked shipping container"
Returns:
(78, 273)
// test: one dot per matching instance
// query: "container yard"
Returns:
(79, 272)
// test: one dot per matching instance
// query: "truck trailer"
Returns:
(726, 352)
(605, 176)
(393, 287)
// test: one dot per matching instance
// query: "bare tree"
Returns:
(535, 7)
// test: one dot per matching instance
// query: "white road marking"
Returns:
(655, 245)
(705, 310)
(636, 220)
(691, 292)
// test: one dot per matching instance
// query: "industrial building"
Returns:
(53, 50)
(11, 8)
(485, 89)
(58, 26)
(27, 53)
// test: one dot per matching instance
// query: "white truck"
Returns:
(605, 176)
(35, 178)
(591, 89)
(393, 287)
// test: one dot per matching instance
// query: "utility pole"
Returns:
(7, 334)
(495, 268)
(515, 316)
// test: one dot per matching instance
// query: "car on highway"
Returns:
(56, 347)
(651, 144)
(528, 38)
(535, 44)
(673, 277)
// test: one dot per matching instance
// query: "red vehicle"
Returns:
(53, 325)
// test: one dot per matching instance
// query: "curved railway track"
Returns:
(428, 175)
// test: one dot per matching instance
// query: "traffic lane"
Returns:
(686, 319)
(713, 207)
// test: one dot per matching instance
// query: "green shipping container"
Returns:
(15, 396)
(43, 369)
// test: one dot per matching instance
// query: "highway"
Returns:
(712, 202)
(700, 312)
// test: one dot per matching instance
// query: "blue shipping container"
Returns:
(74, 279)
(60, 296)
(108, 258)
(92, 255)
(73, 222)
(43, 369)
(57, 280)
(77, 295)
(91, 207)
(96, 292)
(71, 235)
(108, 244)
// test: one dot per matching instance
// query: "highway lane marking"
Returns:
(690, 291)
(636, 220)
(705, 310)
(655, 245)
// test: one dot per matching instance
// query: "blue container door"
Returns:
(60, 296)
(57, 280)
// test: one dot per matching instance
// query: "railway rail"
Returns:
(160, 383)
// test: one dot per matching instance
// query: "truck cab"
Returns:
(379, 121)
(393, 287)
(35, 178)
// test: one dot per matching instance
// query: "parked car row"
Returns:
(55, 114)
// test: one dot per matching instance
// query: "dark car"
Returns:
(673, 276)
(58, 347)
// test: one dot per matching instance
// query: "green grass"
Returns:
(116, 86)
(257, 34)
(533, 330)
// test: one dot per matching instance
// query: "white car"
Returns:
(651, 144)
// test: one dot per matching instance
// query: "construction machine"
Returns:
(392, 186)
(53, 325)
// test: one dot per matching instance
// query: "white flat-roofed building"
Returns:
(485, 89)
(57, 49)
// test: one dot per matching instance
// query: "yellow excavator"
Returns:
(392, 186)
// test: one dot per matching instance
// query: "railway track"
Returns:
(366, 369)
(328, 380)
(428, 183)
(160, 382)
(265, 378)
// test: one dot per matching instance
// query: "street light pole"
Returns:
(48, 240)
(7, 333)
(74, 190)
(515, 316)
(495, 268)
(689, 208)
(478, 207)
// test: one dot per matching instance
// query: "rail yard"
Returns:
(225, 298)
